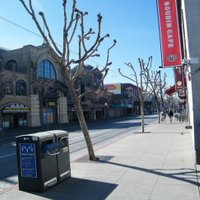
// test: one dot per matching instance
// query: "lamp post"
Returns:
(161, 92)
(106, 110)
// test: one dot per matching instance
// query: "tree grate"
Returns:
(100, 159)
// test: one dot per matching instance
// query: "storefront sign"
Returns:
(16, 108)
(169, 33)
(114, 88)
(51, 103)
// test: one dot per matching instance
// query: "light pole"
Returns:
(106, 110)
(161, 92)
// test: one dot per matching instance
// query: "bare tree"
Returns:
(157, 85)
(72, 32)
(142, 83)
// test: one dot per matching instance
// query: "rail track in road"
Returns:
(101, 134)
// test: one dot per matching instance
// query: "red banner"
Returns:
(169, 33)
(178, 75)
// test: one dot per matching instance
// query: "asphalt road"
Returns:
(102, 133)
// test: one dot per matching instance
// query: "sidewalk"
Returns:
(156, 165)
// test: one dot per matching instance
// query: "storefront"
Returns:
(48, 112)
(14, 115)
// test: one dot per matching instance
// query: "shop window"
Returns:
(21, 88)
(46, 70)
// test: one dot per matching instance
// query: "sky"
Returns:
(133, 23)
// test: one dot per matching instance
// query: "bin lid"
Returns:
(40, 135)
(59, 133)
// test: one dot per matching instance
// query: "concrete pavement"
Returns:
(156, 165)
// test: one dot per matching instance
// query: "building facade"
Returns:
(189, 30)
(21, 104)
(93, 102)
(124, 99)
(189, 21)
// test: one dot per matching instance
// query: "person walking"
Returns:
(170, 114)
(163, 116)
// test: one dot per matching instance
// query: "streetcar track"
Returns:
(99, 141)
(100, 137)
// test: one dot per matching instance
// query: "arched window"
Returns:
(46, 70)
(20, 88)
(8, 86)
(10, 65)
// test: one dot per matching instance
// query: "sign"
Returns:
(28, 160)
(169, 33)
(16, 108)
(178, 75)
(114, 88)
(182, 94)
(52, 103)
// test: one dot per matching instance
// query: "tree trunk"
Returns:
(84, 128)
(142, 112)
(157, 107)
(158, 111)
(82, 122)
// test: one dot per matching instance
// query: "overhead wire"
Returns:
(38, 35)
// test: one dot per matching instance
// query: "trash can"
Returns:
(63, 158)
(37, 161)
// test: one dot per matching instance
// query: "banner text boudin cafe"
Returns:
(169, 33)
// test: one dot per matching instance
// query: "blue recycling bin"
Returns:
(41, 161)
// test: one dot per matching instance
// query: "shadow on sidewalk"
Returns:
(79, 189)
(185, 175)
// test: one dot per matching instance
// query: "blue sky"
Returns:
(133, 23)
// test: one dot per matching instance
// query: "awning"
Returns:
(170, 91)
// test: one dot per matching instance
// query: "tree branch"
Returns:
(49, 33)
(32, 13)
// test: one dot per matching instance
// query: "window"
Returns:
(46, 70)
(8, 86)
(10, 65)
(21, 88)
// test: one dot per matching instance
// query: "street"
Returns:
(102, 133)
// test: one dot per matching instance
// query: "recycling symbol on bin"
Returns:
(27, 148)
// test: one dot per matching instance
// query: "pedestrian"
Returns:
(170, 114)
(163, 116)
(177, 116)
